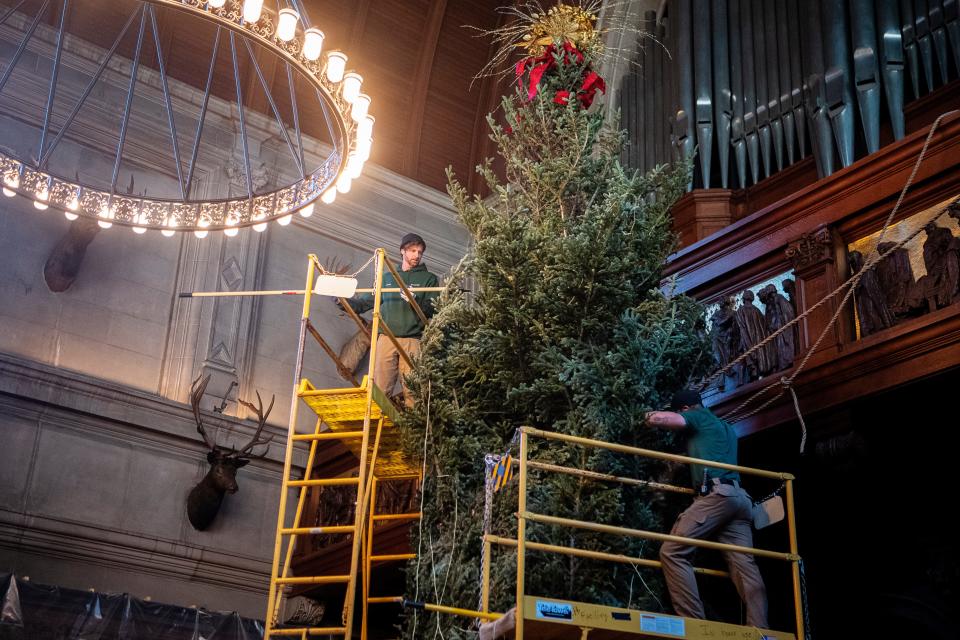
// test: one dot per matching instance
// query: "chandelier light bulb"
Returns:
(287, 24)
(169, 232)
(252, 10)
(365, 128)
(336, 64)
(70, 216)
(354, 165)
(285, 220)
(260, 226)
(329, 195)
(139, 230)
(74, 204)
(344, 182)
(363, 147)
(202, 232)
(106, 215)
(312, 43)
(231, 232)
(10, 182)
(350, 88)
(40, 199)
(307, 211)
(216, 4)
(360, 105)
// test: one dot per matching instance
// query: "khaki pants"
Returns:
(390, 363)
(725, 515)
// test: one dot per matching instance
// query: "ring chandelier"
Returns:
(286, 34)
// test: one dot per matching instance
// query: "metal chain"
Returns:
(489, 462)
(808, 632)
(324, 271)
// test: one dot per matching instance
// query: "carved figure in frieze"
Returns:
(778, 313)
(790, 289)
(896, 280)
(723, 333)
(872, 309)
(752, 329)
(943, 268)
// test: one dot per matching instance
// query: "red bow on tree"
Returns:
(539, 65)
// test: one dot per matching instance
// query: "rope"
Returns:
(850, 284)
(423, 493)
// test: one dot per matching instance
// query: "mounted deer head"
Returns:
(205, 498)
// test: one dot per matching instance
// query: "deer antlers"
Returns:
(197, 389)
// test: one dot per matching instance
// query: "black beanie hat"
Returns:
(685, 398)
(412, 238)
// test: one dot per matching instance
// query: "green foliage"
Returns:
(567, 329)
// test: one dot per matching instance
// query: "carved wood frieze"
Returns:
(811, 249)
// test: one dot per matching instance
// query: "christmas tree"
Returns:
(557, 318)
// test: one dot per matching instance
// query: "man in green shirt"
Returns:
(722, 510)
(399, 315)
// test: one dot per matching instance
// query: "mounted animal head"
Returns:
(205, 498)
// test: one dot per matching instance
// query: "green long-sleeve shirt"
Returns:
(394, 310)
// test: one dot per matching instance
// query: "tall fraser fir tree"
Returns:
(566, 327)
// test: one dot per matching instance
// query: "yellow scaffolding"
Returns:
(364, 419)
(576, 619)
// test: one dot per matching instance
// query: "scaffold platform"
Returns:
(553, 619)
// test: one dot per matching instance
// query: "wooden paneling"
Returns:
(848, 205)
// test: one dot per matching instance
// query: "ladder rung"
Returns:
(316, 531)
(398, 516)
(328, 435)
(319, 631)
(393, 557)
(384, 600)
(323, 482)
(313, 580)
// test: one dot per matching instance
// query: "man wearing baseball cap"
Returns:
(400, 316)
(722, 510)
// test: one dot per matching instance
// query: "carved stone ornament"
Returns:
(811, 248)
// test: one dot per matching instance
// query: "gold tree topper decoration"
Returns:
(561, 23)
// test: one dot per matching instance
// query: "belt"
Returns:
(715, 481)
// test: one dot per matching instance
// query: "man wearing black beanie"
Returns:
(398, 314)
(722, 510)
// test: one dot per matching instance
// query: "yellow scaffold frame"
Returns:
(341, 410)
(524, 516)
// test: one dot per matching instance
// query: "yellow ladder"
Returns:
(364, 419)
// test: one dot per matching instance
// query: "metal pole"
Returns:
(203, 109)
(594, 555)
(301, 500)
(54, 73)
(521, 534)
(795, 565)
(361, 487)
(653, 535)
(649, 453)
(485, 572)
(272, 596)
(134, 68)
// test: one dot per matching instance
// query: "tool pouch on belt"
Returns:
(768, 512)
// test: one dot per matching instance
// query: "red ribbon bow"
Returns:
(539, 65)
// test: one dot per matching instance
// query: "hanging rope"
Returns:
(850, 285)
(423, 493)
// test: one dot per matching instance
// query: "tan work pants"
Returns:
(725, 515)
(390, 363)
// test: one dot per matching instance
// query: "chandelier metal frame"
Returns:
(345, 108)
